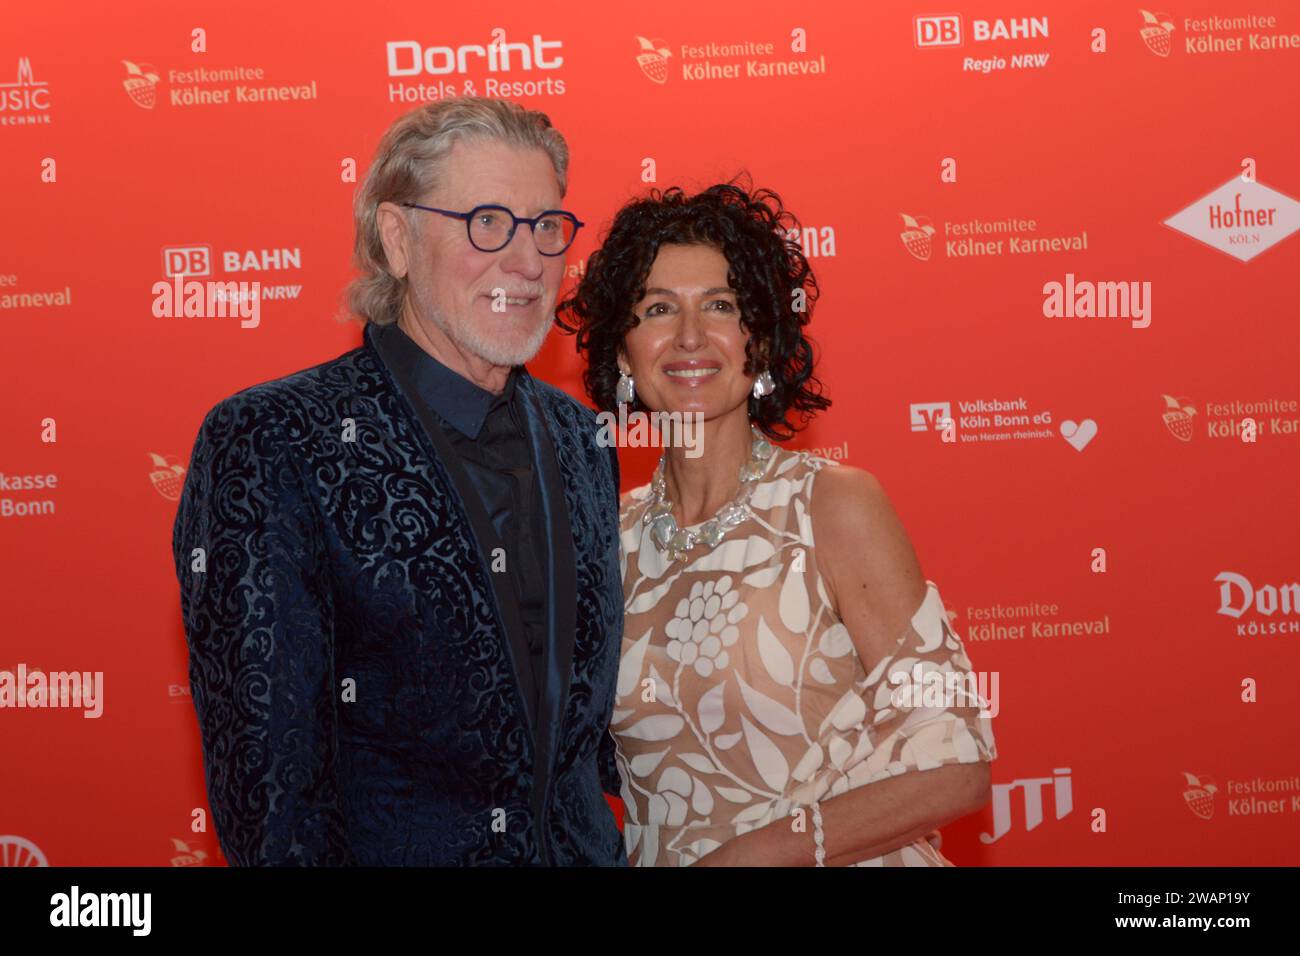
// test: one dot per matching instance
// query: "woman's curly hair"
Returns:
(766, 267)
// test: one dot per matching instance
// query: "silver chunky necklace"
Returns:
(677, 543)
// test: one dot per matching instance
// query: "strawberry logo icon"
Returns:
(187, 856)
(1158, 32)
(1178, 417)
(166, 478)
(653, 59)
(141, 84)
(1200, 794)
(917, 236)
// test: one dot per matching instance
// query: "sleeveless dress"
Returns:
(740, 694)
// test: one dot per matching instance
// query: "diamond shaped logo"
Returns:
(1239, 218)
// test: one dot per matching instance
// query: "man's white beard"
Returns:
(469, 338)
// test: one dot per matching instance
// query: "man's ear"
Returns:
(395, 234)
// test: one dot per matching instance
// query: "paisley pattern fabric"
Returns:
(741, 695)
(336, 561)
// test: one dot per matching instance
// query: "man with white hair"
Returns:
(399, 569)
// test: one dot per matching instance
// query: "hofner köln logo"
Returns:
(1242, 218)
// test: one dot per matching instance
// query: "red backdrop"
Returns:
(1146, 710)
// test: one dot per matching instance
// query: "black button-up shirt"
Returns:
(490, 434)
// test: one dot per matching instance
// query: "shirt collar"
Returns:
(456, 400)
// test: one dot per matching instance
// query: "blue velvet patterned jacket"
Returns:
(355, 668)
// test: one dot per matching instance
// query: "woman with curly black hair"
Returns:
(770, 706)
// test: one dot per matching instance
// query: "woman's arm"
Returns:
(873, 579)
(865, 822)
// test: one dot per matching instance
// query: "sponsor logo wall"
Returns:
(1057, 253)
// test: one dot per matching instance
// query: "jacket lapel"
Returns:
(562, 588)
(471, 507)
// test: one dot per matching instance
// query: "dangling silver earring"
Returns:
(763, 385)
(625, 394)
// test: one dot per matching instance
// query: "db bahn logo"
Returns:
(944, 30)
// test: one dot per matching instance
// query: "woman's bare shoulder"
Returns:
(865, 554)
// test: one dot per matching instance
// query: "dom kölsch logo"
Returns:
(1158, 32)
